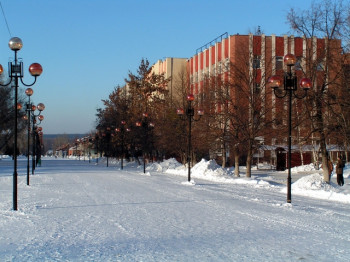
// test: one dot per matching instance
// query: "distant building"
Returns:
(175, 70)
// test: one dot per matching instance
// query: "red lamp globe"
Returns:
(200, 112)
(29, 91)
(274, 81)
(35, 69)
(180, 111)
(290, 59)
(305, 83)
(41, 106)
(190, 97)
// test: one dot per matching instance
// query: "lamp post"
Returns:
(37, 143)
(190, 117)
(15, 73)
(290, 87)
(121, 130)
(36, 131)
(146, 125)
(31, 117)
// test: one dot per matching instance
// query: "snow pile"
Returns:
(208, 169)
(304, 168)
(314, 186)
(171, 163)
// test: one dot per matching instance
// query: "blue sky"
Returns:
(87, 47)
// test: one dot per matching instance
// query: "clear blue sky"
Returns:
(87, 47)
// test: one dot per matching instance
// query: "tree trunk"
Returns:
(223, 153)
(249, 163)
(236, 163)
(326, 176)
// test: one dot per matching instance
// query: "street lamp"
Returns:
(37, 142)
(146, 126)
(108, 135)
(121, 130)
(190, 117)
(16, 72)
(290, 88)
(36, 131)
(31, 117)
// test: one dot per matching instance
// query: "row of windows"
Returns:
(279, 63)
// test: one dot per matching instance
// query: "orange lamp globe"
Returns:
(190, 97)
(290, 59)
(305, 83)
(274, 81)
(41, 106)
(35, 69)
(29, 91)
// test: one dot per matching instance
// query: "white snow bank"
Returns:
(303, 168)
(171, 163)
(211, 171)
(314, 186)
(208, 168)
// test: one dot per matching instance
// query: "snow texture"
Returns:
(80, 211)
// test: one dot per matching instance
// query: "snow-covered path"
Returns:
(76, 211)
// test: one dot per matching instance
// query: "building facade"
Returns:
(246, 62)
(173, 69)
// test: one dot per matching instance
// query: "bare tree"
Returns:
(326, 19)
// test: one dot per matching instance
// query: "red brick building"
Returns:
(247, 61)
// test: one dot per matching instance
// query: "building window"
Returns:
(298, 63)
(256, 62)
(320, 66)
(279, 62)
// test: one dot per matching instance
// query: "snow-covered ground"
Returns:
(80, 211)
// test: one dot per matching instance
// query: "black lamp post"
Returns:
(146, 125)
(36, 131)
(16, 73)
(121, 130)
(37, 142)
(190, 117)
(31, 116)
(290, 88)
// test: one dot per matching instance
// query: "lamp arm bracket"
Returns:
(35, 77)
(300, 96)
(196, 119)
(283, 95)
